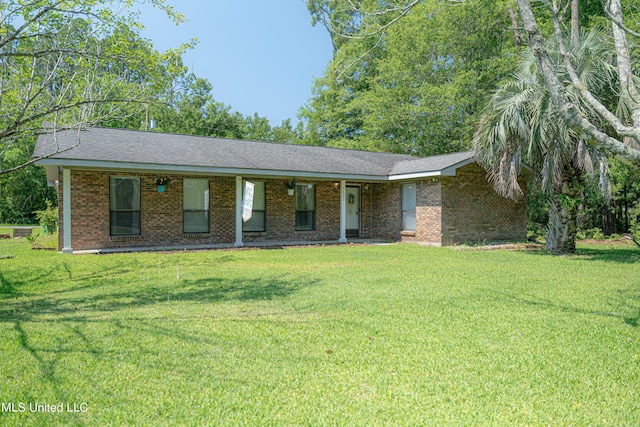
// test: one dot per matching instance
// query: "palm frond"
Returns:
(521, 121)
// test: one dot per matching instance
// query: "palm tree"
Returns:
(521, 124)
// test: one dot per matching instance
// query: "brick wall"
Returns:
(161, 220)
(384, 216)
(449, 210)
(473, 212)
(280, 213)
(162, 213)
(428, 212)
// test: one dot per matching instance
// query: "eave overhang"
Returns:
(204, 170)
(225, 171)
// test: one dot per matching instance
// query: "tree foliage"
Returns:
(80, 63)
(73, 63)
(616, 129)
(189, 107)
(521, 124)
(409, 76)
(412, 85)
(23, 191)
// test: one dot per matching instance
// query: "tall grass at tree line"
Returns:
(340, 335)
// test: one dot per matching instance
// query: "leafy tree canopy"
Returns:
(412, 85)
(74, 63)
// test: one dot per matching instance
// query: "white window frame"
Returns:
(188, 209)
(136, 207)
(253, 225)
(408, 207)
(313, 210)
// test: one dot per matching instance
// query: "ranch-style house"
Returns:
(112, 198)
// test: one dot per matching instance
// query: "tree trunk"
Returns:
(575, 23)
(628, 89)
(602, 140)
(515, 27)
(563, 213)
(561, 237)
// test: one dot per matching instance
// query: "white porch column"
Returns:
(66, 210)
(343, 212)
(238, 242)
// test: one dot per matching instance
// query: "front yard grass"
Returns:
(337, 335)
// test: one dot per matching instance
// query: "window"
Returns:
(409, 207)
(305, 206)
(195, 194)
(124, 205)
(257, 223)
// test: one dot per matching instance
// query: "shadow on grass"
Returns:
(627, 255)
(97, 307)
(630, 299)
(88, 298)
(6, 287)
(9, 288)
(626, 307)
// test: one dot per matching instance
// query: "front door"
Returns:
(353, 211)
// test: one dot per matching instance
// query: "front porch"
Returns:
(340, 211)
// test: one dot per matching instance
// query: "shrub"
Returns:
(591, 233)
(48, 218)
(597, 234)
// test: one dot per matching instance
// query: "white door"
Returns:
(353, 211)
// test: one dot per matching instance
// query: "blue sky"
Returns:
(261, 56)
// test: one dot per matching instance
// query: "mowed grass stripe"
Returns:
(336, 335)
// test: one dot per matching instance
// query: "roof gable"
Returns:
(444, 164)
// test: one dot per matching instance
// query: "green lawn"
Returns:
(339, 335)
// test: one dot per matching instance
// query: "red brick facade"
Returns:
(473, 212)
(449, 210)
(463, 209)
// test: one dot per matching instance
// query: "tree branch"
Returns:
(617, 21)
(567, 109)
(380, 29)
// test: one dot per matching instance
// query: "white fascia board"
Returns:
(451, 170)
(416, 175)
(206, 170)
(448, 171)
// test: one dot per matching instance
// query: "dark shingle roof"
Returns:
(443, 162)
(126, 149)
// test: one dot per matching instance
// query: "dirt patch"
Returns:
(624, 240)
(529, 246)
